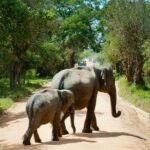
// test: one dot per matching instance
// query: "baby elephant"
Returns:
(46, 106)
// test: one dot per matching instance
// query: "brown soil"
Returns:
(131, 131)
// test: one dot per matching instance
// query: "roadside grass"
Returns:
(8, 97)
(5, 103)
(137, 95)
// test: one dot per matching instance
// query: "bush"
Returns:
(5, 103)
(137, 95)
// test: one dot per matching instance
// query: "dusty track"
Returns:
(131, 131)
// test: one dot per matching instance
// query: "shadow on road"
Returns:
(104, 134)
(40, 146)
(5, 119)
(67, 141)
(19, 147)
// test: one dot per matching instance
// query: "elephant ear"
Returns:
(103, 75)
(65, 99)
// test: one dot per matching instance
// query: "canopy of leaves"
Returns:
(45, 35)
(126, 29)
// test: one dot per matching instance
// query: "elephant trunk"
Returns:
(113, 99)
(72, 112)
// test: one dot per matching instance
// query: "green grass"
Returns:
(137, 95)
(5, 103)
(7, 96)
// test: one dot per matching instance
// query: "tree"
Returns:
(146, 54)
(78, 28)
(126, 24)
(35, 34)
(23, 28)
(50, 59)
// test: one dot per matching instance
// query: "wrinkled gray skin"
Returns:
(46, 107)
(85, 82)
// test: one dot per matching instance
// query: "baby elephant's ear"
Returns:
(64, 97)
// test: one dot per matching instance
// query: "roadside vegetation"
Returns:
(8, 96)
(137, 95)
(127, 48)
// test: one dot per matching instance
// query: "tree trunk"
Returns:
(138, 79)
(15, 75)
(13, 80)
(118, 67)
(129, 70)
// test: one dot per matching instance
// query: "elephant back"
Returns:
(58, 79)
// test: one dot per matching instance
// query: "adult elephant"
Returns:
(85, 82)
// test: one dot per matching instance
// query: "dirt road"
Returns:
(131, 131)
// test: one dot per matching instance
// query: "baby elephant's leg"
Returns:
(29, 132)
(33, 125)
(56, 127)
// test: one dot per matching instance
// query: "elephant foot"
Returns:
(96, 128)
(64, 132)
(59, 134)
(26, 142)
(55, 139)
(38, 140)
(87, 131)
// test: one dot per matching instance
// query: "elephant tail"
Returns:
(29, 109)
(30, 105)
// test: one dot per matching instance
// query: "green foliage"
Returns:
(23, 29)
(7, 96)
(100, 58)
(96, 56)
(146, 54)
(116, 75)
(51, 57)
(45, 35)
(126, 29)
(85, 54)
(138, 95)
(111, 49)
(31, 74)
(4, 104)
(19, 91)
(78, 27)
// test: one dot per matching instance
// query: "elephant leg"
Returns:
(94, 123)
(59, 132)
(36, 137)
(29, 132)
(56, 127)
(27, 137)
(63, 126)
(33, 125)
(90, 113)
